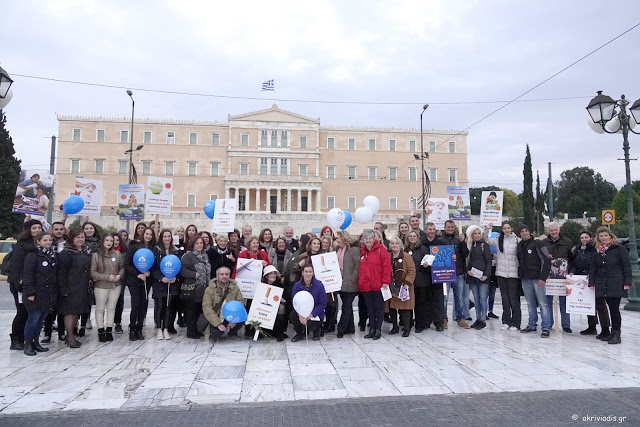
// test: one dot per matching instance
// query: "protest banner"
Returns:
(458, 203)
(248, 275)
(580, 298)
(327, 270)
(33, 192)
(159, 195)
(443, 267)
(224, 217)
(437, 212)
(131, 201)
(491, 207)
(264, 308)
(557, 282)
(90, 190)
(556, 287)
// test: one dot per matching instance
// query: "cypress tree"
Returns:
(527, 194)
(10, 223)
(539, 206)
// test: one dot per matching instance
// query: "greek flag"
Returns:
(268, 85)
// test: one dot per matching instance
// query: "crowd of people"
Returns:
(56, 277)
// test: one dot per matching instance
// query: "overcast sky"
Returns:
(404, 51)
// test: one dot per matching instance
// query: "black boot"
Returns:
(377, 334)
(139, 335)
(28, 348)
(615, 339)
(394, 330)
(132, 333)
(37, 347)
(371, 333)
(591, 330)
(605, 335)
(102, 337)
(108, 334)
(80, 332)
(16, 344)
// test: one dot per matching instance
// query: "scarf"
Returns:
(340, 254)
(602, 249)
(68, 247)
(222, 251)
(203, 268)
(49, 253)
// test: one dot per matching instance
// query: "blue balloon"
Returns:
(347, 219)
(494, 234)
(210, 208)
(170, 266)
(143, 260)
(234, 312)
(73, 205)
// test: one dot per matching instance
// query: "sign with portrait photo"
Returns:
(159, 195)
(33, 192)
(131, 201)
(458, 203)
(491, 207)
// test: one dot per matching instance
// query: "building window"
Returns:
(192, 168)
(413, 204)
(331, 143)
(100, 166)
(433, 174)
(284, 167)
(372, 144)
(393, 174)
(373, 173)
(244, 139)
(303, 169)
(244, 168)
(331, 172)
(274, 138)
(284, 139)
(452, 146)
(191, 200)
(213, 197)
(168, 168)
(264, 165)
(352, 172)
(171, 137)
(432, 146)
(76, 135)
(412, 146)
(215, 169)
(215, 139)
(100, 135)
(303, 142)
(351, 204)
(352, 143)
(453, 175)
(393, 203)
(147, 137)
(146, 167)
(392, 145)
(122, 167)
(263, 139)
(274, 167)
(75, 166)
(331, 202)
(124, 136)
(193, 138)
(413, 174)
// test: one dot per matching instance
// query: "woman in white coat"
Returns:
(507, 274)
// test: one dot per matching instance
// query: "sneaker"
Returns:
(118, 329)
(474, 324)
(545, 333)
(505, 327)
(514, 328)
(89, 325)
(445, 324)
(567, 330)
(463, 324)
(527, 329)
(492, 316)
(160, 335)
(481, 325)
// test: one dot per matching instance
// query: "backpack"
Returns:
(5, 269)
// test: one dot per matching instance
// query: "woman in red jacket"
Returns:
(253, 251)
(374, 272)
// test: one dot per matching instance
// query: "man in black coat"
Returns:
(559, 248)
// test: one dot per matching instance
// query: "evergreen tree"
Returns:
(527, 194)
(10, 223)
(539, 206)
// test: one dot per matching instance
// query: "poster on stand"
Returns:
(90, 190)
(224, 217)
(33, 192)
(131, 202)
(437, 212)
(458, 203)
(327, 270)
(265, 304)
(248, 276)
(557, 281)
(443, 267)
(159, 195)
(580, 298)
(491, 207)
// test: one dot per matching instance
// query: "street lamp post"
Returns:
(424, 201)
(133, 108)
(5, 85)
(611, 117)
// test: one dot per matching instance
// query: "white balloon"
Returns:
(363, 215)
(4, 101)
(614, 125)
(335, 218)
(372, 203)
(303, 303)
(594, 126)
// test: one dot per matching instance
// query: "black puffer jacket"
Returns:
(610, 271)
(20, 251)
(533, 263)
(462, 251)
(582, 259)
(158, 286)
(130, 270)
(74, 275)
(417, 254)
(39, 280)
(480, 258)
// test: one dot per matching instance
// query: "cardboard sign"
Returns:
(90, 190)
(264, 308)
(131, 201)
(458, 203)
(443, 267)
(33, 192)
(580, 298)
(224, 217)
(327, 270)
(159, 195)
(491, 207)
(556, 287)
(248, 275)
(437, 212)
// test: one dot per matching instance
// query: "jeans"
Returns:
(510, 294)
(460, 304)
(536, 295)
(34, 324)
(375, 308)
(346, 318)
(139, 305)
(480, 297)
(106, 299)
(565, 317)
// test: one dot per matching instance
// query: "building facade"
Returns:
(272, 161)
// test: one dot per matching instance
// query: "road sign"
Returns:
(608, 217)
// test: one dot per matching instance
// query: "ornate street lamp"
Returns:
(5, 85)
(424, 201)
(611, 116)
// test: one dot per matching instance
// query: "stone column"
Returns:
(288, 206)
(318, 201)
(278, 203)
(258, 199)
(299, 191)
(226, 192)
(247, 199)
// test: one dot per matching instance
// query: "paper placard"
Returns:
(386, 293)
(458, 203)
(556, 287)
(33, 192)
(264, 307)
(159, 195)
(437, 212)
(224, 217)
(248, 275)
(90, 190)
(491, 207)
(327, 270)
(131, 201)
(443, 267)
(580, 298)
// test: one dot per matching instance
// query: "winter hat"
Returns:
(269, 269)
(523, 227)
(27, 225)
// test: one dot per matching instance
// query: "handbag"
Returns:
(187, 291)
(397, 279)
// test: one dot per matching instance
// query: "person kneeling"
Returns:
(314, 320)
(222, 289)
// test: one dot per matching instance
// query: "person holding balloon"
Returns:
(309, 303)
(195, 273)
(223, 306)
(165, 285)
(374, 272)
(137, 264)
(107, 273)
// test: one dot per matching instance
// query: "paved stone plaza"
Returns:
(189, 374)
